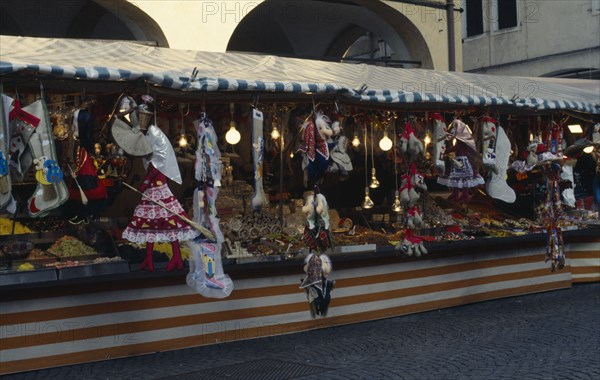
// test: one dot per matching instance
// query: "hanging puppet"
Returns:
(258, 153)
(317, 235)
(159, 217)
(552, 211)
(496, 154)
(463, 175)
(206, 274)
(439, 142)
(338, 145)
(314, 148)
(86, 189)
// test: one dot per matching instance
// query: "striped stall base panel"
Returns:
(584, 259)
(72, 329)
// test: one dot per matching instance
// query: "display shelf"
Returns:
(93, 270)
(9, 277)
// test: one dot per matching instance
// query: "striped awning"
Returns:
(185, 70)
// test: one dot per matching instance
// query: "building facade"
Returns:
(393, 33)
(553, 38)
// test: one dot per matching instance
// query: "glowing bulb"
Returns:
(588, 149)
(355, 141)
(367, 202)
(385, 143)
(183, 142)
(291, 154)
(453, 142)
(374, 182)
(531, 137)
(275, 133)
(397, 206)
(427, 139)
(233, 135)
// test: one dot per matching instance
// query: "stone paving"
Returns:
(551, 335)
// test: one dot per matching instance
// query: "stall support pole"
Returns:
(281, 151)
(451, 42)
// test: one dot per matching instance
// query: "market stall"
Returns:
(156, 199)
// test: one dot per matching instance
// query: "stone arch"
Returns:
(327, 29)
(94, 19)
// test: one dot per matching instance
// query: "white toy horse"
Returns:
(411, 182)
(410, 143)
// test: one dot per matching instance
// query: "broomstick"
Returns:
(205, 231)
(84, 199)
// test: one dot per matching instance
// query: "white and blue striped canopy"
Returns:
(173, 69)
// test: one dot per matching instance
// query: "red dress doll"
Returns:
(152, 223)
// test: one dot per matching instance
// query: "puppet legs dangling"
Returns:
(148, 263)
(175, 262)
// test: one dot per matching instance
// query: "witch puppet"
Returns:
(159, 217)
(462, 174)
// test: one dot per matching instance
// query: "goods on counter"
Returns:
(6, 227)
(68, 246)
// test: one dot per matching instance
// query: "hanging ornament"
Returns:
(385, 143)
(397, 205)
(374, 182)
(233, 135)
(367, 202)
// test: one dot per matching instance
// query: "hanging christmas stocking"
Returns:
(206, 274)
(22, 127)
(51, 190)
(496, 186)
(6, 199)
(258, 148)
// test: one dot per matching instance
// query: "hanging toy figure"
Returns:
(463, 175)
(87, 191)
(159, 217)
(317, 265)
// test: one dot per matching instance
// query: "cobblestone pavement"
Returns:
(552, 335)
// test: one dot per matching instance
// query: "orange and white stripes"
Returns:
(73, 328)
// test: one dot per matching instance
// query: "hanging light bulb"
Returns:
(233, 135)
(291, 154)
(397, 206)
(374, 182)
(367, 202)
(275, 133)
(588, 149)
(355, 141)
(385, 143)
(427, 139)
(183, 141)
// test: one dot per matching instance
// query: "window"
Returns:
(507, 14)
(474, 10)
